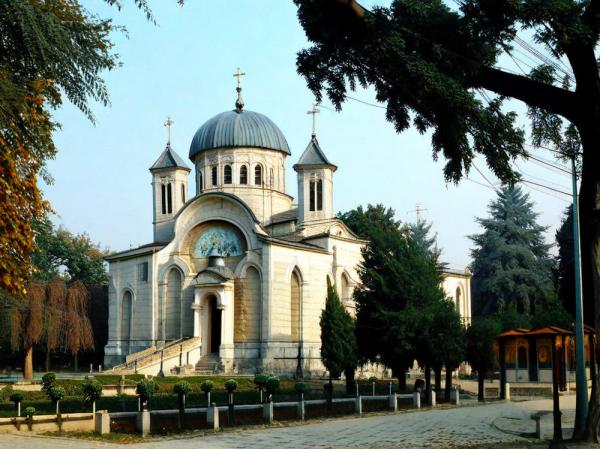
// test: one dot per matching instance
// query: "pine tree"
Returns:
(565, 270)
(511, 265)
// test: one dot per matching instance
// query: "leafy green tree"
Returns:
(338, 339)
(565, 269)
(420, 231)
(480, 337)
(363, 221)
(511, 264)
(437, 67)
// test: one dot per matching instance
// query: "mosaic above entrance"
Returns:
(224, 240)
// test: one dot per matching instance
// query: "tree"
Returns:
(480, 337)
(53, 313)
(436, 68)
(419, 232)
(71, 256)
(363, 221)
(338, 340)
(511, 264)
(565, 269)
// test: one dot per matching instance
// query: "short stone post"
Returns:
(432, 398)
(393, 402)
(142, 422)
(91, 368)
(212, 417)
(19, 409)
(301, 408)
(268, 412)
(358, 405)
(507, 391)
(102, 422)
(455, 395)
(417, 399)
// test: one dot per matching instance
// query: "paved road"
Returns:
(451, 428)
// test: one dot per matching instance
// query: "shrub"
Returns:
(29, 411)
(260, 380)
(230, 385)
(6, 392)
(92, 390)
(48, 381)
(145, 389)
(206, 386)
(373, 379)
(272, 384)
(16, 397)
(182, 387)
(56, 393)
(300, 387)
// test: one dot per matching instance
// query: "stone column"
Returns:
(102, 422)
(197, 308)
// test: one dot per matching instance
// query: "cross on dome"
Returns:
(239, 103)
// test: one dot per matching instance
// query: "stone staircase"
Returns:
(208, 364)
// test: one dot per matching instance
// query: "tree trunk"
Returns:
(76, 362)
(47, 359)
(438, 379)
(428, 384)
(350, 381)
(480, 386)
(448, 385)
(589, 206)
(28, 363)
(401, 381)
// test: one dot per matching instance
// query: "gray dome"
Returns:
(238, 129)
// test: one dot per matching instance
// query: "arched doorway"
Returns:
(214, 319)
(295, 306)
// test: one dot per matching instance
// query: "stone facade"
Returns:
(238, 264)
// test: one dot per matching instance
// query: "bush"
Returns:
(56, 393)
(5, 392)
(373, 379)
(230, 385)
(29, 411)
(92, 390)
(48, 381)
(260, 380)
(16, 397)
(182, 387)
(206, 386)
(145, 389)
(272, 384)
(300, 387)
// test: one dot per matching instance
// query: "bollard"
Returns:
(301, 408)
(417, 399)
(432, 398)
(212, 417)
(507, 391)
(358, 405)
(142, 422)
(454, 396)
(356, 384)
(99, 368)
(91, 368)
(268, 412)
(102, 422)
(393, 402)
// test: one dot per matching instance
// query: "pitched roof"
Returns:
(314, 155)
(169, 159)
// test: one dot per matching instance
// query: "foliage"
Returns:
(16, 397)
(445, 336)
(56, 393)
(29, 411)
(480, 337)
(59, 253)
(272, 385)
(145, 389)
(373, 379)
(5, 392)
(182, 387)
(231, 385)
(511, 264)
(48, 381)
(92, 390)
(260, 380)
(206, 386)
(338, 340)
(300, 387)
(565, 269)
(419, 232)
(364, 221)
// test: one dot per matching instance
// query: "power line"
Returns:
(545, 187)
(541, 161)
(484, 177)
(547, 193)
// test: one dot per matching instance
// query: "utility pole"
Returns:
(581, 407)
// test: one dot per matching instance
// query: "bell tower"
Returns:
(169, 189)
(315, 181)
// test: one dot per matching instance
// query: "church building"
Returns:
(237, 272)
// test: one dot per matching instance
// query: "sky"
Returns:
(183, 66)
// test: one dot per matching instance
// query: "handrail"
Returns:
(152, 355)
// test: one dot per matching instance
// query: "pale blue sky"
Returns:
(183, 68)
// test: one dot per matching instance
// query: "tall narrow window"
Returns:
(200, 182)
(182, 193)
(271, 179)
(227, 174)
(163, 198)
(458, 304)
(213, 173)
(258, 175)
(169, 199)
(311, 188)
(244, 175)
(320, 194)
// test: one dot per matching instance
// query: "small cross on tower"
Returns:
(239, 104)
(168, 124)
(314, 111)
(418, 211)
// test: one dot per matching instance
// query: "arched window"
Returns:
(271, 178)
(458, 298)
(244, 175)
(258, 175)
(346, 291)
(320, 194)
(126, 304)
(163, 198)
(311, 188)
(200, 182)
(315, 188)
(227, 175)
(247, 308)
(295, 307)
(172, 307)
(182, 193)
(169, 198)
(213, 173)
(166, 194)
